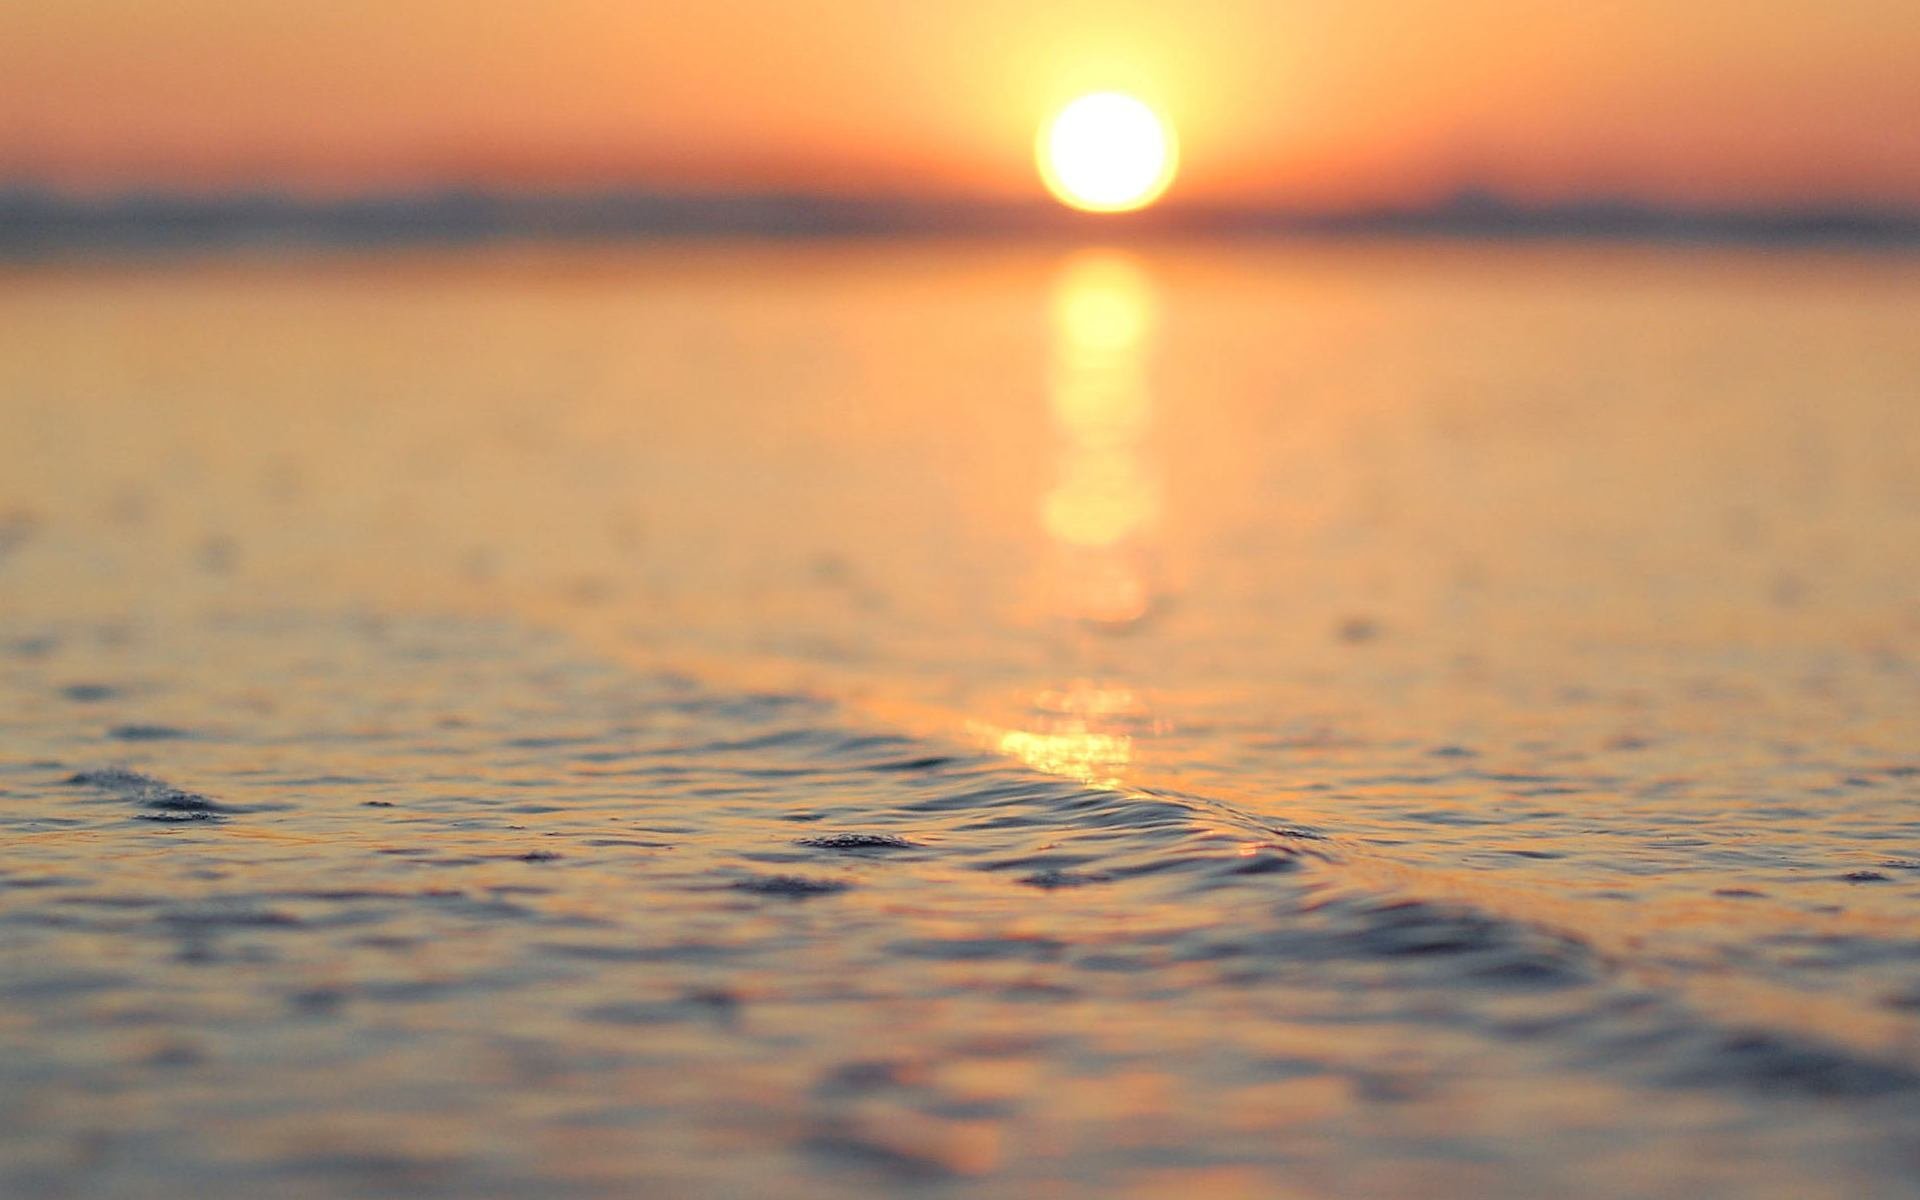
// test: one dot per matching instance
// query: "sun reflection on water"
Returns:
(1106, 500)
(1099, 516)
(1081, 754)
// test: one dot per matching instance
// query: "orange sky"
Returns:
(1295, 101)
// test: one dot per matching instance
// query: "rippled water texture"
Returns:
(1278, 720)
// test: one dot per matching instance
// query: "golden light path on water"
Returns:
(1101, 514)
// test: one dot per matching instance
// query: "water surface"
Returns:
(1375, 720)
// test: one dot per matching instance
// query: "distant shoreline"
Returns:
(39, 223)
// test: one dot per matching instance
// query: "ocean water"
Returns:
(1269, 719)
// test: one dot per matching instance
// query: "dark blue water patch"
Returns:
(164, 813)
(1296, 833)
(792, 887)
(1054, 878)
(89, 693)
(1010, 791)
(127, 900)
(924, 763)
(487, 909)
(158, 799)
(223, 917)
(858, 842)
(900, 1165)
(175, 1055)
(36, 988)
(1802, 950)
(714, 1005)
(33, 646)
(427, 991)
(1121, 810)
(748, 706)
(861, 1077)
(343, 895)
(1438, 944)
(147, 733)
(616, 952)
(981, 949)
(548, 743)
(1777, 1064)
(35, 882)
(1414, 927)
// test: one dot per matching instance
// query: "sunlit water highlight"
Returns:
(1296, 720)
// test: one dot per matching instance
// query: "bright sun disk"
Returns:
(1106, 152)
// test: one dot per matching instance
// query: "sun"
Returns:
(1107, 152)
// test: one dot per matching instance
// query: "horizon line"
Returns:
(38, 220)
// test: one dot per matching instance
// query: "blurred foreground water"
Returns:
(1376, 720)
